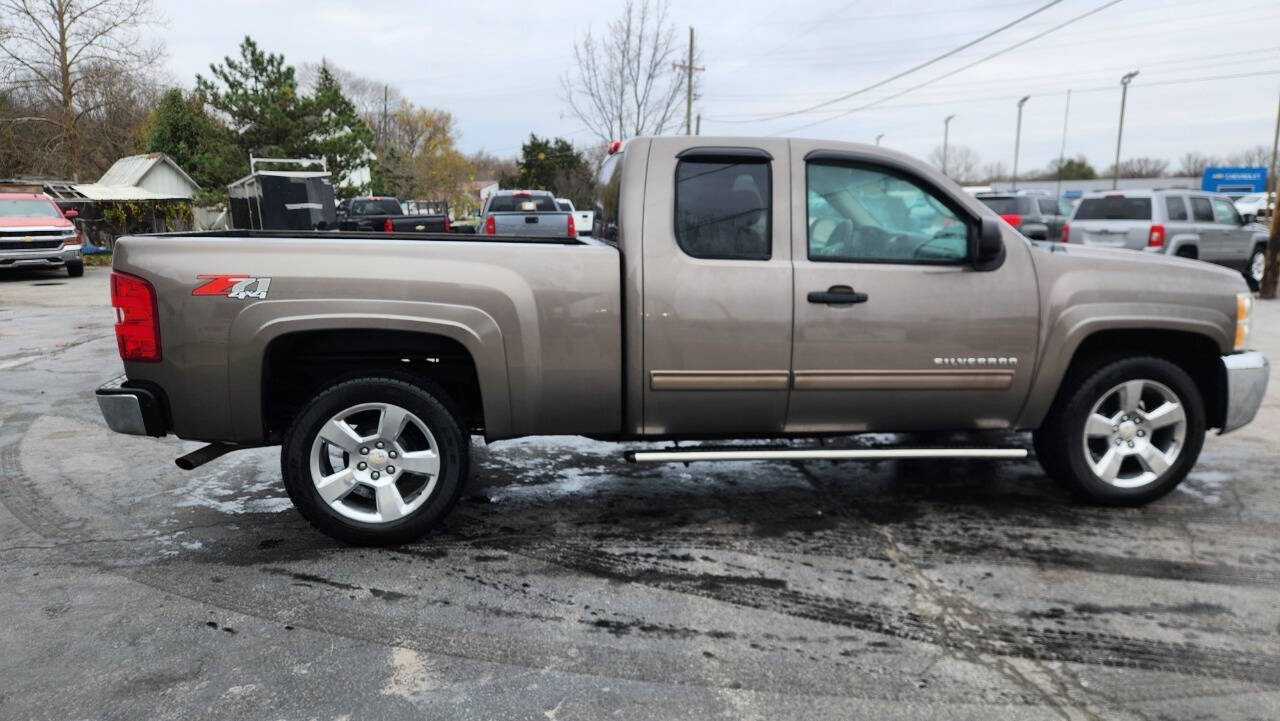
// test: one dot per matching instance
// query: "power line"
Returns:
(921, 66)
(962, 68)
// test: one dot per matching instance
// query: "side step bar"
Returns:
(806, 454)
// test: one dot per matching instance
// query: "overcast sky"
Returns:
(496, 67)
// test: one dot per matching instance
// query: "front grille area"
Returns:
(55, 232)
(40, 244)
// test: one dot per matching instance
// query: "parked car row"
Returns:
(1183, 223)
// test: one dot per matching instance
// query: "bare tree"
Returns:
(1193, 164)
(962, 162)
(371, 97)
(1140, 168)
(624, 84)
(58, 48)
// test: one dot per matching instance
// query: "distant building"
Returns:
(153, 176)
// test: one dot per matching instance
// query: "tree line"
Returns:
(964, 166)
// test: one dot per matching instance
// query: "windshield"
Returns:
(376, 206)
(28, 209)
(1116, 207)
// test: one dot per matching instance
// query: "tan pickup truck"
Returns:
(734, 288)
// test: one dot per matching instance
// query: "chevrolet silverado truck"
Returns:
(735, 288)
(384, 214)
(526, 212)
(35, 233)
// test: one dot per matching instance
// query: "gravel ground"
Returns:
(570, 585)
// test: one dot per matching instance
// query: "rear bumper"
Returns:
(52, 257)
(134, 411)
(1247, 375)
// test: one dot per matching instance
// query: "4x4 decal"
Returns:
(232, 286)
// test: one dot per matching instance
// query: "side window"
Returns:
(1201, 209)
(1175, 208)
(1224, 212)
(1048, 207)
(862, 214)
(723, 208)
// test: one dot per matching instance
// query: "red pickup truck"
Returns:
(35, 233)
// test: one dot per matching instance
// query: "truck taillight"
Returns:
(1012, 219)
(1155, 239)
(490, 227)
(137, 322)
(1066, 232)
(446, 224)
(387, 227)
(573, 227)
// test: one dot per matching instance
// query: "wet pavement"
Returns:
(571, 585)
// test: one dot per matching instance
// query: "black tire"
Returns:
(1060, 444)
(1254, 283)
(75, 268)
(422, 398)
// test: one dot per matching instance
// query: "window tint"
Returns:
(376, 206)
(1048, 207)
(608, 200)
(1175, 208)
(860, 214)
(564, 207)
(1201, 209)
(1114, 207)
(722, 208)
(1225, 212)
(522, 204)
(1002, 206)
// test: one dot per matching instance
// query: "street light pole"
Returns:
(1017, 140)
(1124, 94)
(881, 135)
(946, 131)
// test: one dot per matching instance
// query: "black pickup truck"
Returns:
(381, 213)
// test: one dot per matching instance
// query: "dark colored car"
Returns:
(381, 213)
(1036, 216)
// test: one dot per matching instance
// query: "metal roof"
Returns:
(130, 170)
(102, 191)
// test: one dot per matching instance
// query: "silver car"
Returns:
(1184, 223)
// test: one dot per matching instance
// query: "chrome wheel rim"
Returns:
(375, 462)
(1134, 433)
(1258, 266)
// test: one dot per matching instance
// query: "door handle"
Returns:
(837, 295)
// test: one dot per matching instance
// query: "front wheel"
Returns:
(1257, 266)
(1128, 435)
(376, 461)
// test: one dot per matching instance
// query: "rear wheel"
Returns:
(376, 461)
(1128, 435)
(75, 268)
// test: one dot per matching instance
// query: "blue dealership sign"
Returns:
(1235, 179)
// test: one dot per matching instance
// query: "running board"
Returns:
(807, 454)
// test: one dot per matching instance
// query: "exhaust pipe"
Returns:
(201, 456)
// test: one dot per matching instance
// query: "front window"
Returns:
(28, 209)
(861, 214)
(1224, 212)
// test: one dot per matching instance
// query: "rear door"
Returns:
(1212, 237)
(894, 328)
(717, 288)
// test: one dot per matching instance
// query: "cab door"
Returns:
(895, 327)
(717, 288)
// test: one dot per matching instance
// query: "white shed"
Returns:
(152, 176)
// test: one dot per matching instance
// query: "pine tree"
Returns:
(342, 136)
(181, 128)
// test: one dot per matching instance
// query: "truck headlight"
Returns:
(1244, 319)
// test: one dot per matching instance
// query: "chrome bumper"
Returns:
(45, 257)
(1247, 375)
(134, 411)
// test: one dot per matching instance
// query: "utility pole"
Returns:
(1124, 94)
(881, 135)
(1271, 274)
(946, 132)
(689, 69)
(1062, 151)
(697, 127)
(1275, 143)
(1017, 140)
(384, 117)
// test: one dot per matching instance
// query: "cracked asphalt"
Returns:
(571, 585)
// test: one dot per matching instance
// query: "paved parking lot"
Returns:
(570, 585)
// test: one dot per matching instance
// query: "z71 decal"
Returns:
(233, 286)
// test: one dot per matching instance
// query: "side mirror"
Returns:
(71, 214)
(989, 253)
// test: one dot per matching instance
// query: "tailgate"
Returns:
(550, 225)
(1111, 233)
